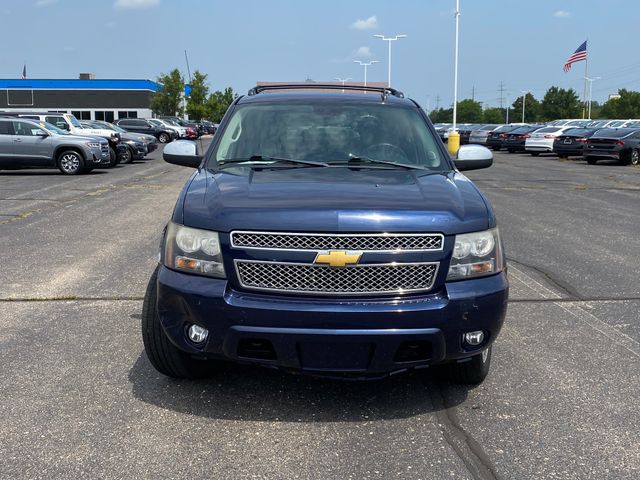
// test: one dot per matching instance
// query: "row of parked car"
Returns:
(60, 140)
(593, 140)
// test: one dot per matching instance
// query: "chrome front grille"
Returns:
(368, 279)
(391, 242)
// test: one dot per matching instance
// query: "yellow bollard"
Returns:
(453, 143)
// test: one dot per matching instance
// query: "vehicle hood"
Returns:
(333, 200)
(82, 138)
(95, 132)
(138, 137)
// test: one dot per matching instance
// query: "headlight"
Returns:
(193, 250)
(476, 255)
(93, 145)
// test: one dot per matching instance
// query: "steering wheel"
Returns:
(386, 151)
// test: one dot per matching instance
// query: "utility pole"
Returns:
(473, 93)
(501, 90)
(437, 102)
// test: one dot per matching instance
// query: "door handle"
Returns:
(17, 140)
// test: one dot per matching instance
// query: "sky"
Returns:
(519, 44)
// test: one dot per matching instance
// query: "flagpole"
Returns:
(584, 91)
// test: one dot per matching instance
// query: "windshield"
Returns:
(73, 121)
(52, 128)
(331, 133)
(111, 126)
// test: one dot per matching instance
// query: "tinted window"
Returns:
(613, 132)
(5, 128)
(57, 121)
(548, 130)
(330, 132)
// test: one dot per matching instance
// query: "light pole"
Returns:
(343, 80)
(524, 99)
(455, 68)
(591, 80)
(507, 120)
(390, 39)
(365, 65)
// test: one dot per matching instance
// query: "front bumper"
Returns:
(329, 335)
(97, 158)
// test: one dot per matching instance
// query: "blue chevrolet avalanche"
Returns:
(328, 233)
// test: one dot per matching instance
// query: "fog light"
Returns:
(197, 334)
(473, 338)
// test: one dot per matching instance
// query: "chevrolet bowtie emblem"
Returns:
(338, 258)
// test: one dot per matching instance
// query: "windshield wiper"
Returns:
(357, 160)
(272, 160)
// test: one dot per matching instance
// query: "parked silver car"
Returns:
(37, 144)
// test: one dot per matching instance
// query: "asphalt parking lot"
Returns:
(79, 399)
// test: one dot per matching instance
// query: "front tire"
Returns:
(113, 158)
(472, 371)
(70, 162)
(634, 158)
(535, 154)
(163, 138)
(164, 355)
(591, 161)
(126, 156)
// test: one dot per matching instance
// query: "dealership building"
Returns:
(86, 97)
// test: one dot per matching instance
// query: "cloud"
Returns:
(135, 4)
(44, 3)
(363, 52)
(562, 14)
(368, 24)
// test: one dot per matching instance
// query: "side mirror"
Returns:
(41, 133)
(182, 152)
(473, 157)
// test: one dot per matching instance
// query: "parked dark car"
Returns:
(140, 125)
(132, 146)
(210, 127)
(515, 139)
(571, 143)
(465, 132)
(497, 137)
(353, 251)
(622, 144)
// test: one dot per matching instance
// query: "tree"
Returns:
(166, 101)
(626, 106)
(560, 103)
(494, 115)
(218, 103)
(440, 115)
(196, 108)
(531, 109)
(469, 111)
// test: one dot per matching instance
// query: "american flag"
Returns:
(24, 72)
(577, 56)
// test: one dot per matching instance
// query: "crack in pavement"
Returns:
(463, 444)
(561, 285)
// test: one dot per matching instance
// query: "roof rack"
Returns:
(384, 91)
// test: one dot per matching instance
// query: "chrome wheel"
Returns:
(70, 163)
(635, 157)
(163, 138)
